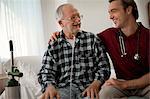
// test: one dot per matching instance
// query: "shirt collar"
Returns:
(79, 35)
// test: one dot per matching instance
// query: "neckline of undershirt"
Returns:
(71, 41)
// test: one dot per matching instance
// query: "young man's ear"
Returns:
(129, 10)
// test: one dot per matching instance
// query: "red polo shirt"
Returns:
(126, 67)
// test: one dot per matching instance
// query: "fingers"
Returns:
(46, 95)
(113, 82)
(51, 97)
(57, 96)
(86, 93)
(57, 33)
(42, 96)
(109, 82)
(53, 37)
(49, 41)
(96, 94)
(83, 93)
(92, 93)
(89, 92)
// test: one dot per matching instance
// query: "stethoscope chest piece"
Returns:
(137, 57)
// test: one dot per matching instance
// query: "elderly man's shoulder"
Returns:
(87, 33)
(55, 42)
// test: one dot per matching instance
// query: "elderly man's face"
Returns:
(71, 20)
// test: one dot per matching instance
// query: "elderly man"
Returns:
(75, 65)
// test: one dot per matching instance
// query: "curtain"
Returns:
(21, 22)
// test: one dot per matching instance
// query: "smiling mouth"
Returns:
(77, 25)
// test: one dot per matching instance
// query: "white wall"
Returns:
(143, 12)
(48, 12)
(49, 22)
(95, 16)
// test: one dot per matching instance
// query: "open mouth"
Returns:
(77, 25)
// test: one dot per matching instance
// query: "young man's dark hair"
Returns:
(127, 3)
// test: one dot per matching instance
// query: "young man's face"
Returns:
(71, 20)
(118, 14)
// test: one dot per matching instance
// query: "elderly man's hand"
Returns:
(50, 93)
(92, 90)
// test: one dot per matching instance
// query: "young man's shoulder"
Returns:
(144, 29)
(109, 31)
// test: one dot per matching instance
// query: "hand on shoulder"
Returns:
(53, 36)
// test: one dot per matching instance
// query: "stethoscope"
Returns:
(122, 45)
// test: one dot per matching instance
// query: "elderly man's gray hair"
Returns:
(59, 11)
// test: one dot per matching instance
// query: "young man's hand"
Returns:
(116, 83)
(129, 84)
(53, 36)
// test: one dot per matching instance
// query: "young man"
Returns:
(128, 47)
(75, 65)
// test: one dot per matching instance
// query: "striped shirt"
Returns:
(90, 62)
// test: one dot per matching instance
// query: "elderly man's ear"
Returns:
(60, 23)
